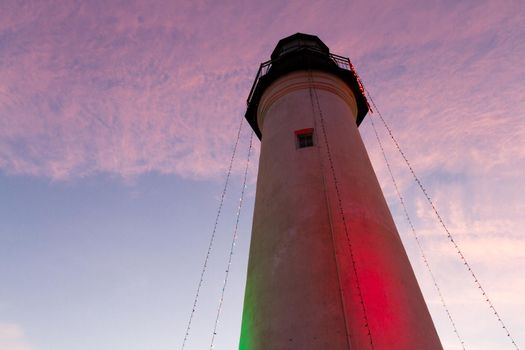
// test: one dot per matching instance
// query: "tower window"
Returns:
(304, 138)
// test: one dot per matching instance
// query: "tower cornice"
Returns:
(304, 81)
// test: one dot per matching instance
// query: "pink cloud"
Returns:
(12, 337)
(89, 89)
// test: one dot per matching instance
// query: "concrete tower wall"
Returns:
(301, 290)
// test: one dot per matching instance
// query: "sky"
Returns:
(117, 124)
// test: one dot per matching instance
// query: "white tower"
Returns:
(327, 269)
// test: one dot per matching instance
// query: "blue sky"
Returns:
(85, 264)
(117, 121)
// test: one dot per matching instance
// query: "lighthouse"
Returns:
(327, 268)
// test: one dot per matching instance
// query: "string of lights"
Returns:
(212, 237)
(234, 240)
(416, 236)
(313, 92)
(442, 223)
(360, 84)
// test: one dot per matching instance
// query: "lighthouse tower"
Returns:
(327, 269)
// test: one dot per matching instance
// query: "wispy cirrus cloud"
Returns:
(97, 88)
(103, 88)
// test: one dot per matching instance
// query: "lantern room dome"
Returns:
(307, 53)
